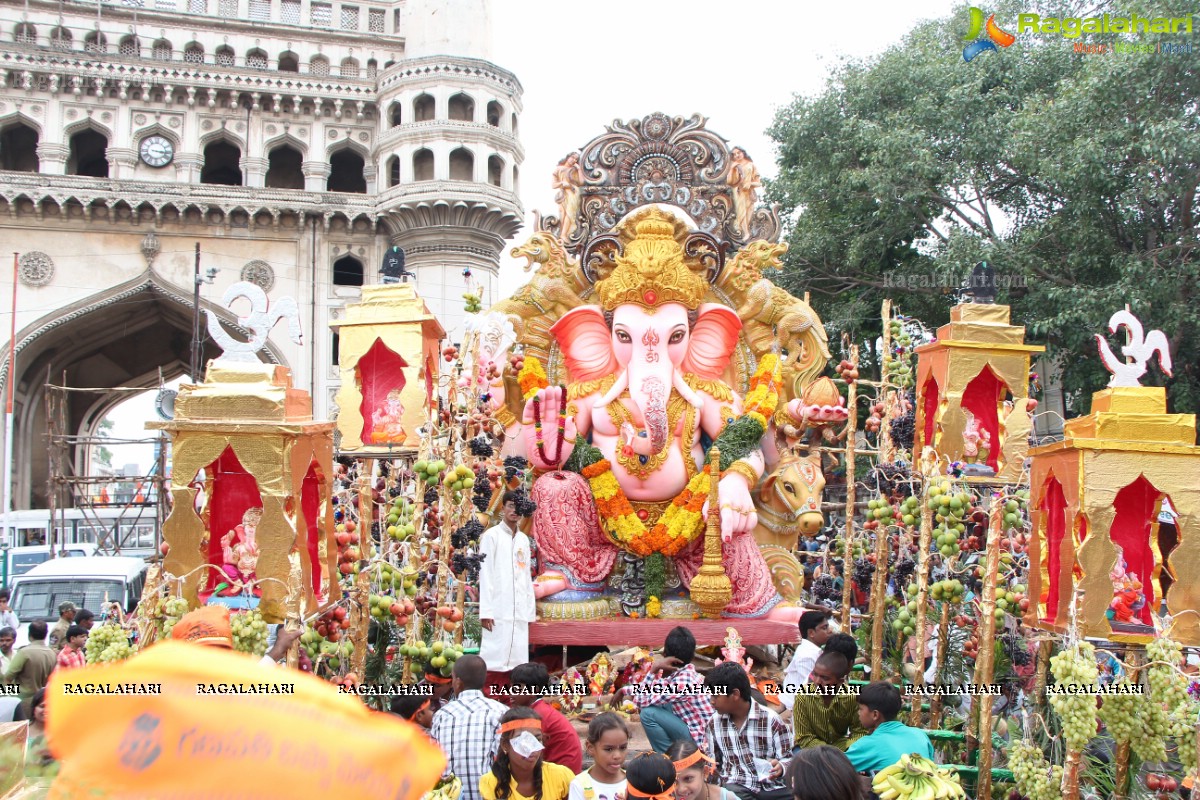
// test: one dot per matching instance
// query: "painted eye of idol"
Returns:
(677, 336)
(623, 336)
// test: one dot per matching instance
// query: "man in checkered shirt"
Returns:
(742, 733)
(467, 728)
(672, 704)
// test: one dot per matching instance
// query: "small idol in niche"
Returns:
(386, 421)
(240, 550)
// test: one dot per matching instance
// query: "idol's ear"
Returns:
(586, 344)
(712, 341)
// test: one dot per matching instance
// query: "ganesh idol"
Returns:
(621, 449)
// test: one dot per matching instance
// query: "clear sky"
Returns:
(584, 64)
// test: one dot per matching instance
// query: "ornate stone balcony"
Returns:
(451, 69)
(26, 61)
(472, 132)
(485, 207)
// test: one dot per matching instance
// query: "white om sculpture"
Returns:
(259, 321)
(1140, 350)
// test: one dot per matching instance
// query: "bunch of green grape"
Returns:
(1076, 666)
(172, 611)
(1129, 718)
(1036, 779)
(108, 643)
(951, 509)
(472, 303)
(249, 632)
(1168, 690)
(400, 519)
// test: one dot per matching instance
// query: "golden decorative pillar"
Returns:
(247, 421)
(1099, 491)
(977, 360)
(711, 589)
(388, 356)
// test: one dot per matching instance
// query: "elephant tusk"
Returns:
(686, 391)
(618, 386)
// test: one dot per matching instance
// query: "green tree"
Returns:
(103, 456)
(1073, 175)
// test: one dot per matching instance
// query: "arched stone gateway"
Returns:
(122, 336)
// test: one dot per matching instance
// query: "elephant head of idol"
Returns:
(650, 327)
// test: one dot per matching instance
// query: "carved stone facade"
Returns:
(293, 140)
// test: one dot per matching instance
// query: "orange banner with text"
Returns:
(184, 721)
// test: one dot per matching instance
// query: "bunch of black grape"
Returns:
(481, 496)
(864, 571)
(1016, 650)
(464, 536)
(890, 480)
(514, 466)
(481, 447)
(462, 562)
(902, 575)
(903, 428)
(525, 506)
(431, 495)
(823, 589)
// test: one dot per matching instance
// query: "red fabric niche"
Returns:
(232, 491)
(1131, 532)
(931, 407)
(1054, 506)
(982, 398)
(379, 371)
(429, 368)
(310, 504)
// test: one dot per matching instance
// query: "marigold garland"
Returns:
(531, 378)
(682, 521)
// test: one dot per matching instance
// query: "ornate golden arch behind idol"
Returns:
(771, 317)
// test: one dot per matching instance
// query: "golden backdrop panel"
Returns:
(1183, 598)
(1062, 466)
(405, 339)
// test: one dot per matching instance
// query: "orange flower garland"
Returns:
(531, 378)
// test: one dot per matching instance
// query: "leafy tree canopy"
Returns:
(1074, 175)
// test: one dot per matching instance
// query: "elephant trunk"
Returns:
(650, 389)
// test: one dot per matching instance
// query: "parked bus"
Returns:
(118, 530)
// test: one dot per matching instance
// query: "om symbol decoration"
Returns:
(650, 340)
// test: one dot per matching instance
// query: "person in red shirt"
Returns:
(527, 685)
(72, 653)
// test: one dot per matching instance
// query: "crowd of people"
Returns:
(712, 737)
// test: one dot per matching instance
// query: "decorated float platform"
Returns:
(630, 632)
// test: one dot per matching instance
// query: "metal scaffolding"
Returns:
(90, 493)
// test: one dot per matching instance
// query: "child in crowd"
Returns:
(823, 773)
(415, 708)
(519, 772)
(607, 743)
(693, 768)
(651, 776)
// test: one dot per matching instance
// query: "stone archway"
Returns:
(122, 336)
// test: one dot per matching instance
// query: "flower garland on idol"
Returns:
(682, 521)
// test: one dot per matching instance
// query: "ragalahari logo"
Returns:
(984, 36)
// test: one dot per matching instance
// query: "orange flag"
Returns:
(184, 721)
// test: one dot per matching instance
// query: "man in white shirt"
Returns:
(8, 617)
(506, 602)
(814, 632)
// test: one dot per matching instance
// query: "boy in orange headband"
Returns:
(416, 708)
(650, 776)
(519, 772)
(209, 625)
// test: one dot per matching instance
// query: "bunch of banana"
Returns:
(446, 789)
(915, 777)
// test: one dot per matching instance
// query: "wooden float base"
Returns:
(626, 632)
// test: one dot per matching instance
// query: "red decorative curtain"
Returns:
(1054, 506)
(931, 406)
(310, 504)
(982, 398)
(1131, 532)
(379, 372)
(233, 491)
